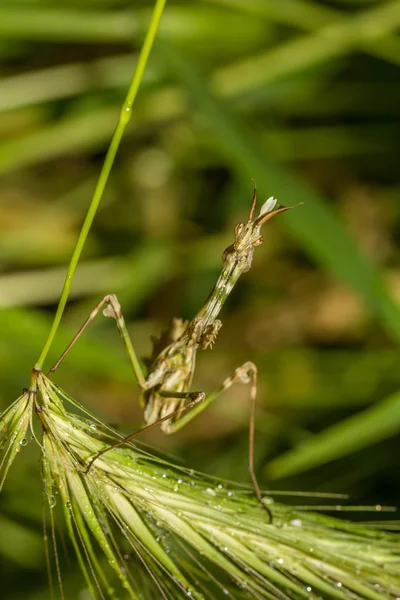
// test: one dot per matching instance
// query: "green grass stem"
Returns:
(124, 118)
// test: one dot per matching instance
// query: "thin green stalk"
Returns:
(125, 116)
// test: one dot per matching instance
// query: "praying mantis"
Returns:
(165, 391)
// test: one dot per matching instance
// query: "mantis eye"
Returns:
(227, 252)
(268, 206)
(238, 229)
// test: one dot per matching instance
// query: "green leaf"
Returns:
(368, 427)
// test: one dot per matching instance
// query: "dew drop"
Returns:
(23, 442)
(225, 591)
(210, 491)
(308, 588)
(339, 584)
(296, 522)
(52, 501)
(179, 480)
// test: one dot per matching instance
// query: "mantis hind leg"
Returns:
(193, 399)
(247, 374)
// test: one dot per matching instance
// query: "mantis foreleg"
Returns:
(113, 309)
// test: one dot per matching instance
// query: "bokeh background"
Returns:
(303, 97)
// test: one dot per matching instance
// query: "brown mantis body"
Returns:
(166, 397)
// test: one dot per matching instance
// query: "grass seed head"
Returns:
(166, 532)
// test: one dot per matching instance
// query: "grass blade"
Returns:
(364, 429)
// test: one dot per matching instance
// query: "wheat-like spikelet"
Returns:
(167, 532)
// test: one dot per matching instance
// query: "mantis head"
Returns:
(237, 259)
(247, 235)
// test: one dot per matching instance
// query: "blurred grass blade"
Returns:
(368, 427)
(183, 23)
(68, 25)
(314, 224)
(149, 264)
(20, 545)
(368, 29)
(298, 13)
(323, 20)
(72, 134)
(68, 80)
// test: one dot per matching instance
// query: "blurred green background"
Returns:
(302, 96)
